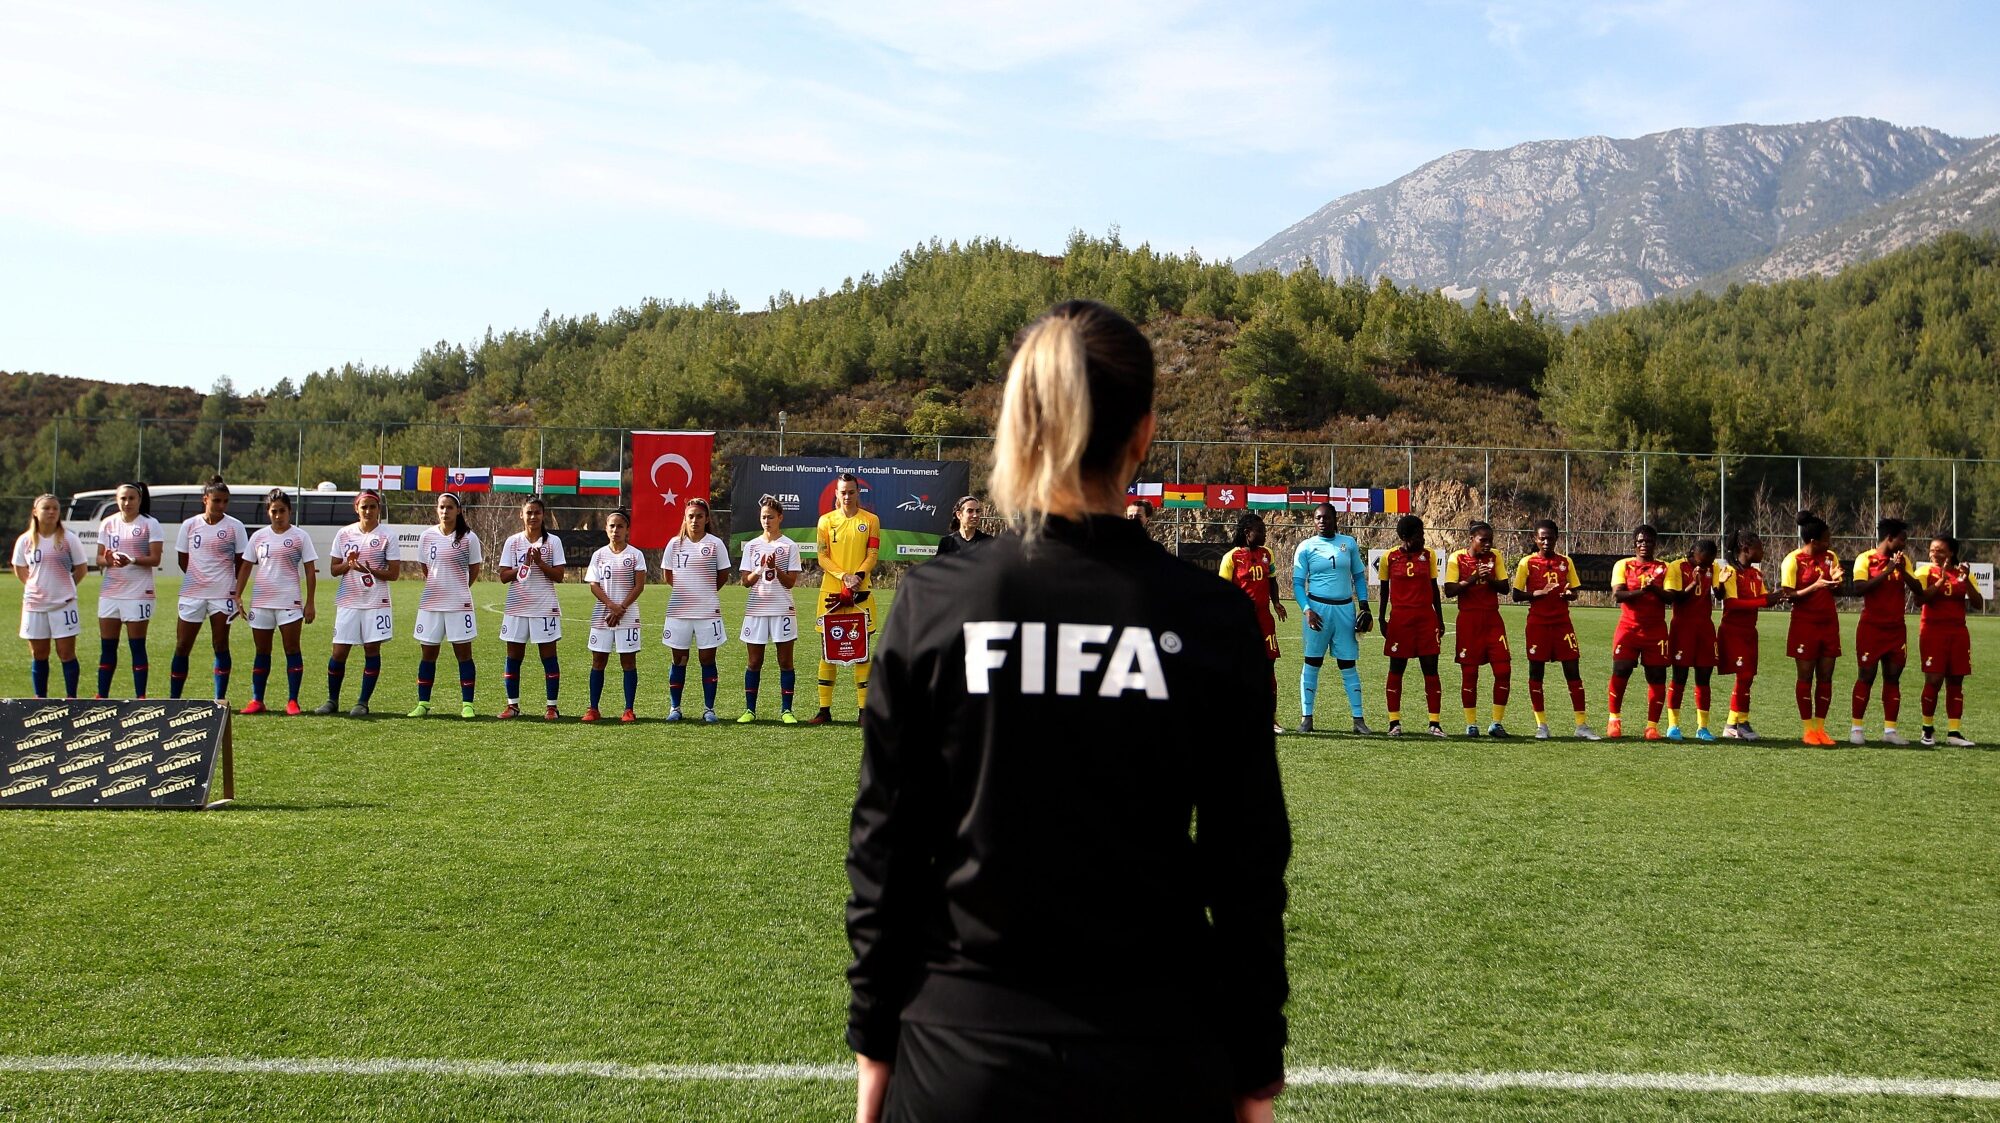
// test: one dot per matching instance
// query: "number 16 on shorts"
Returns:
(621, 640)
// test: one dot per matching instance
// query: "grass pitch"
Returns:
(672, 894)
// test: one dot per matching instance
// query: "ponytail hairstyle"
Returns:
(1080, 383)
(35, 522)
(457, 515)
(708, 517)
(619, 513)
(1891, 528)
(145, 496)
(278, 495)
(1244, 522)
(1812, 528)
(367, 493)
(215, 486)
(1739, 539)
(1477, 526)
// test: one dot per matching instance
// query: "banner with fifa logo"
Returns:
(912, 499)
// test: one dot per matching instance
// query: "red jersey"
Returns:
(1698, 582)
(1250, 568)
(1554, 572)
(1646, 614)
(1948, 611)
(1884, 603)
(1412, 579)
(1802, 568)
(1743, 595)
(1477, 604)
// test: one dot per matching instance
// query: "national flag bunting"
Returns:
(1395, 500)
(1266, 499)
(411, 476)
(371, 477)
(1228, 497)
(1305, 500)
(1185, 495)
(519, 481)
(668, 469)
(556, 481)
(597, 483)
(430, 478)
(389, 477)
(1153, 493)
(469, 479)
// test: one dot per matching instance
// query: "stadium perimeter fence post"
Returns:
(1486, 489)
(139, 461)
(1257, 465)
(55, 455)
(1878, 493)
(1565, 492)
(1645, 488)
(1799, 466)
(299, 463)
(220, 428)
(1954, 499)
(1410, 467)
(1722, 502)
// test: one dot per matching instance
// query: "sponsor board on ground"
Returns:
(114, 754)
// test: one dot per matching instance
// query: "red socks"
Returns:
(1392, 691)
(1576, 695)
(1503, 684)
(1803, 690)
(1468, 687)
(1656, 693)
(1433, 693)
(1739, 698)
(1892, 701)
(1535, 695)
(1860, 701)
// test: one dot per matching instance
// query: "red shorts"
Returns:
(1694, 645)
(1881, 641)
(1946, 651)
(1636, 645)
(1552, 641)
(1737, 651)
(1270, 627)
(1410, 636)
(1483, 645)
(1812, 639)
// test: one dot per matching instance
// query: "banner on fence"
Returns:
(668, 469)
(58, 752)
(911, 498)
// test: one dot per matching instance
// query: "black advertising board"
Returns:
(75, 753)
(912, 498)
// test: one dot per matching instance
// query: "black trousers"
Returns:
(946, 1074)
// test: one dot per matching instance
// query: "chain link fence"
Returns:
(1597, 496)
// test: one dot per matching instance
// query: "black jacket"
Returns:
(1070, 817)
(954, 544)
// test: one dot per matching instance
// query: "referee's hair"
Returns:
(1080, 383)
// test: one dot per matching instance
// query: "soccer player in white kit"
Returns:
(531, 565)
(210, 548)
(696, 564)
(770, 569)
(130, 547)
(49, 560)
(451, 556)
(366, 558)
(279, 555)
(617, 577)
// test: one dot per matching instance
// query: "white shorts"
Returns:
(434, 628)
(681, 634)
(114, 609)
(271, 619)
(530, 629)
(760, 630)
(56, 623)
(195, 610)
(621, 640)
(363, 625)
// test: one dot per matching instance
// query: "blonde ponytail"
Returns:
(1081, 380)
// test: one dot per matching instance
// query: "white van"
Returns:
(320, 513)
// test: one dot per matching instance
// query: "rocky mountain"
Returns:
(1963, 195)
(1580, 227)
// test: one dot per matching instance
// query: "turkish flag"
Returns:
(668, 469)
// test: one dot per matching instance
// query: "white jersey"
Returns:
(768, 596)
(212, 550)
(377, 549)
(51, 563)
(694, 566)
(615, 573)
(448, 587)
(531, 593)
(277, 565)
(134, 539)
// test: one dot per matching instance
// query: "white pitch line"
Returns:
(1728, 1083)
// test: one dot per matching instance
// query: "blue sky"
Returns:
(200, 190)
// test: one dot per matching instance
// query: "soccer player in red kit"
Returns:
(1743, 596)
(1412, 621)
(1691, 637)
(1883, 579)
(1643, 586)
(1810, 579)
(1945, 587)
(1548, 582)
(1248, 564)
(1474, 577)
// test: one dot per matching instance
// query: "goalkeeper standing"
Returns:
(1330, 582)
(850, 541)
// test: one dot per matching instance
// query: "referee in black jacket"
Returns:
(1068, 848)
